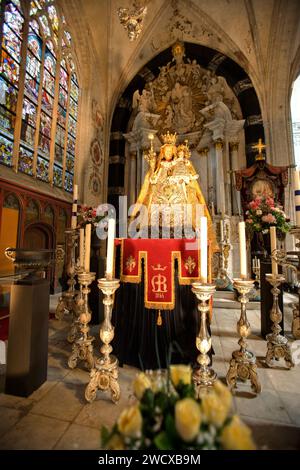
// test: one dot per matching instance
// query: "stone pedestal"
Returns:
(27, 354)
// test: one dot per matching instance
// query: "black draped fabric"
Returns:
(140, 342)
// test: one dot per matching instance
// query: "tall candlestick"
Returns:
(81, 247)
(74, 216)
(203, 249)
(74, 207)
(110, 248)
(87, 251)
(243, 253)
(273, 248)
(296, 181)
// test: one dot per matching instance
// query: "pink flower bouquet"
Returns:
(263, 213)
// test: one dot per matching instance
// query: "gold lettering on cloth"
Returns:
(159, 284)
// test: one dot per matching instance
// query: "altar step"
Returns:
(226, 299)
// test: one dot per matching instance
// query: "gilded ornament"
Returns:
(243, 363)
(104, 374)
(277, 344)
(130, 263)
(190, 264)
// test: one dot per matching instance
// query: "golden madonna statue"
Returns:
(171, 188)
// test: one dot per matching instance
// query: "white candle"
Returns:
(75, 193)
(222, 230)
(203, 249)
(110, 248)
(243, 253)
(296, 181)
(87, 251)
(81, 247)
(74, 216)
(273, 248)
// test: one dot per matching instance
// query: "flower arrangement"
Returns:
(88, 215)
(168, 416)
(263, 213)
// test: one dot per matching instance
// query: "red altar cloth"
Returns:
(159, 256)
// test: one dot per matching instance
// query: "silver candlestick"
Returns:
(243, 363)
(204, 376)
(295, 231)
(83, 346)
(66, 300)
(104, 375)
(277, 345)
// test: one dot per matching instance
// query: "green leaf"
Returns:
(161, 400)
(170, 428)
(105, 436)
(148, 399)
(163, 442)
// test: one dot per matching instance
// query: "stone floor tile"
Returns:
(33, 432)
(64, 401)
(79, 437)
(270, 435)
(9, 401)
(78, 375)
(266, 405)
(42, 390)
(8, 417)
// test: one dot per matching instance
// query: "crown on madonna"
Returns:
(169, 138)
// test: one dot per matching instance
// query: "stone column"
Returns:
(220, 186)
(132, 178)
(236, 197)
(204, 177)
(211, 199)
(138, 170)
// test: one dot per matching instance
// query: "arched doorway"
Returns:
(38, 236)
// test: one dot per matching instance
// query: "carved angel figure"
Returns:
(132, 20)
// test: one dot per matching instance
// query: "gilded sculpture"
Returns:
(171, 190)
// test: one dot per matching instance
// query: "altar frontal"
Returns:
(159, 257)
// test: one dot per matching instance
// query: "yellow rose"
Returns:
(214, 410)
(179, 373)
(140, 384)
(130, 422)
(237, 436)
(187, 419)
(115, 443)
(223, 393)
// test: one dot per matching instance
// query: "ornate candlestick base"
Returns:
(295, 231)
(66, 300)
(83, 347)
(104, 375)
(243, 363)
(204, 376)
(277, 345)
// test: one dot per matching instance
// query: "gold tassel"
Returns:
(159, 319)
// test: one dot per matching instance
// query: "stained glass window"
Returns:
(6, 148)
(57, 176)
(25, 160)
(47, 104)
(42, 169)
